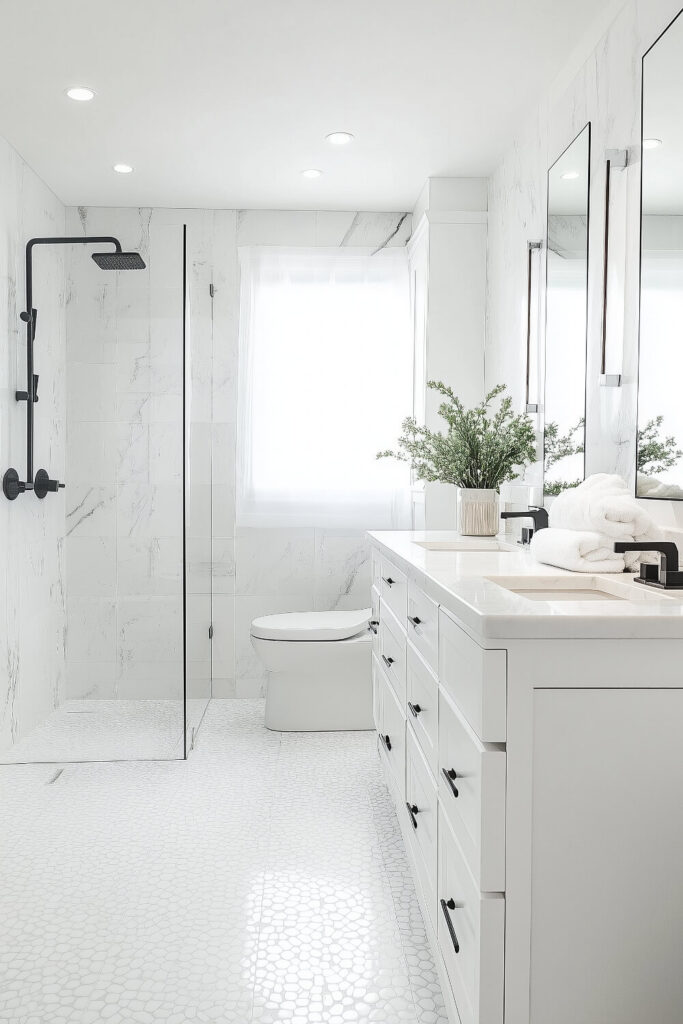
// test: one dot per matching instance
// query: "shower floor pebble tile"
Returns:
(263, 881)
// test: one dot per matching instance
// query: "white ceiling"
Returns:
(221, 103)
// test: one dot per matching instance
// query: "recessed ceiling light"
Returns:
(651, 143)
(80, 93)
(123, 168)
(311, 172)
(570, 175)
(339, 138)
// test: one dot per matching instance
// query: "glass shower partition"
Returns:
(197, 525)
(137, 579)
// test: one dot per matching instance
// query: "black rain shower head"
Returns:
(119, 260)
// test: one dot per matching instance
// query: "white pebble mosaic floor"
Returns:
(263, 880)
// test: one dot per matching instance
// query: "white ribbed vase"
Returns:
(477, 512)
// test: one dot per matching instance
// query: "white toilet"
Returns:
(319, 669)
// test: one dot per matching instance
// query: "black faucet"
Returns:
(666, 574)
(539, 516)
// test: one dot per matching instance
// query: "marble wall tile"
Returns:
(223, 645)
(223, 566)
(91, 630)
(91, 566)
(342, 570)
(90, 509)
(32, 532)
(149, 510)
(270, 562)
(148, 565)
(150, 629)
(198, 573)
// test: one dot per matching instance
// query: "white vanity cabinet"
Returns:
(538, 784)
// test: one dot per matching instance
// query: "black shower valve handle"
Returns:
(43, 485)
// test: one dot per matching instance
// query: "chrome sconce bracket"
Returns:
(614, 158)
(529, 406)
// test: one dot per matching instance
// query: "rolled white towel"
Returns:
(603, 504)
(577, 550)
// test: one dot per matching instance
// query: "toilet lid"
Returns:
(310, 625)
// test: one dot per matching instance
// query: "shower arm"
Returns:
(42, 484)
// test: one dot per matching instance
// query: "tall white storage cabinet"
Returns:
(447, 254)
(537, 777)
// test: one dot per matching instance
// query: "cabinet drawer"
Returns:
(422, 692)
(471, 935)
(376, 568)
(421, 814)
(472, 788)
(392, 736)
(392, 654)
(394, 589)
(376, 695)
(374, 619)
(474, 679)
(423, 625)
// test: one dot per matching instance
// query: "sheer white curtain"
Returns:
(325, 380)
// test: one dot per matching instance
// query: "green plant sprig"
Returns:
(480, 449)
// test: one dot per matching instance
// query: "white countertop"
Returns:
(461, 582)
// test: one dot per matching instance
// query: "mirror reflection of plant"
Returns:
(655, 453)
(558, 446)
(479, 449)
(554, 487)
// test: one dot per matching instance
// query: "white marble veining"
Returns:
(207, 891)
(606, 92)
(32, 586)
(478, 587)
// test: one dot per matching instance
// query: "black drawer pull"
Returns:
(414, 619)
(388, 580)
(414, 709)
(386, 742)
(413, 809)
(372, 626)
(449, 774)
(387, 661)
(447, 905)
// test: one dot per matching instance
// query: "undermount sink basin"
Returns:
(577, 588)
(461, 545)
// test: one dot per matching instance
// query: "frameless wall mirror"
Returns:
(659, 458)
(566, 317)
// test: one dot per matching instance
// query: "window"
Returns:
(325, 381)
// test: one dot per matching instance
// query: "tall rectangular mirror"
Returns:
(659, 465)
(566, 317)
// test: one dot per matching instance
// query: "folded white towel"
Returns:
(603, 504)
(577, 550)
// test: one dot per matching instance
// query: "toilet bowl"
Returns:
(319, 670)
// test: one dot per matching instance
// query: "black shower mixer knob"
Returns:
(43, 484)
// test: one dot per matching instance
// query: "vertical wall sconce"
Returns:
(532, 247)
(614, 159)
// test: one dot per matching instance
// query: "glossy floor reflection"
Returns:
(109, 730)
(263, 880)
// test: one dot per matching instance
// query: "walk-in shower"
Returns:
(42, 485)
(124, 603)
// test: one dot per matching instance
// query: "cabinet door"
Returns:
(471, 936)
(607, 856)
